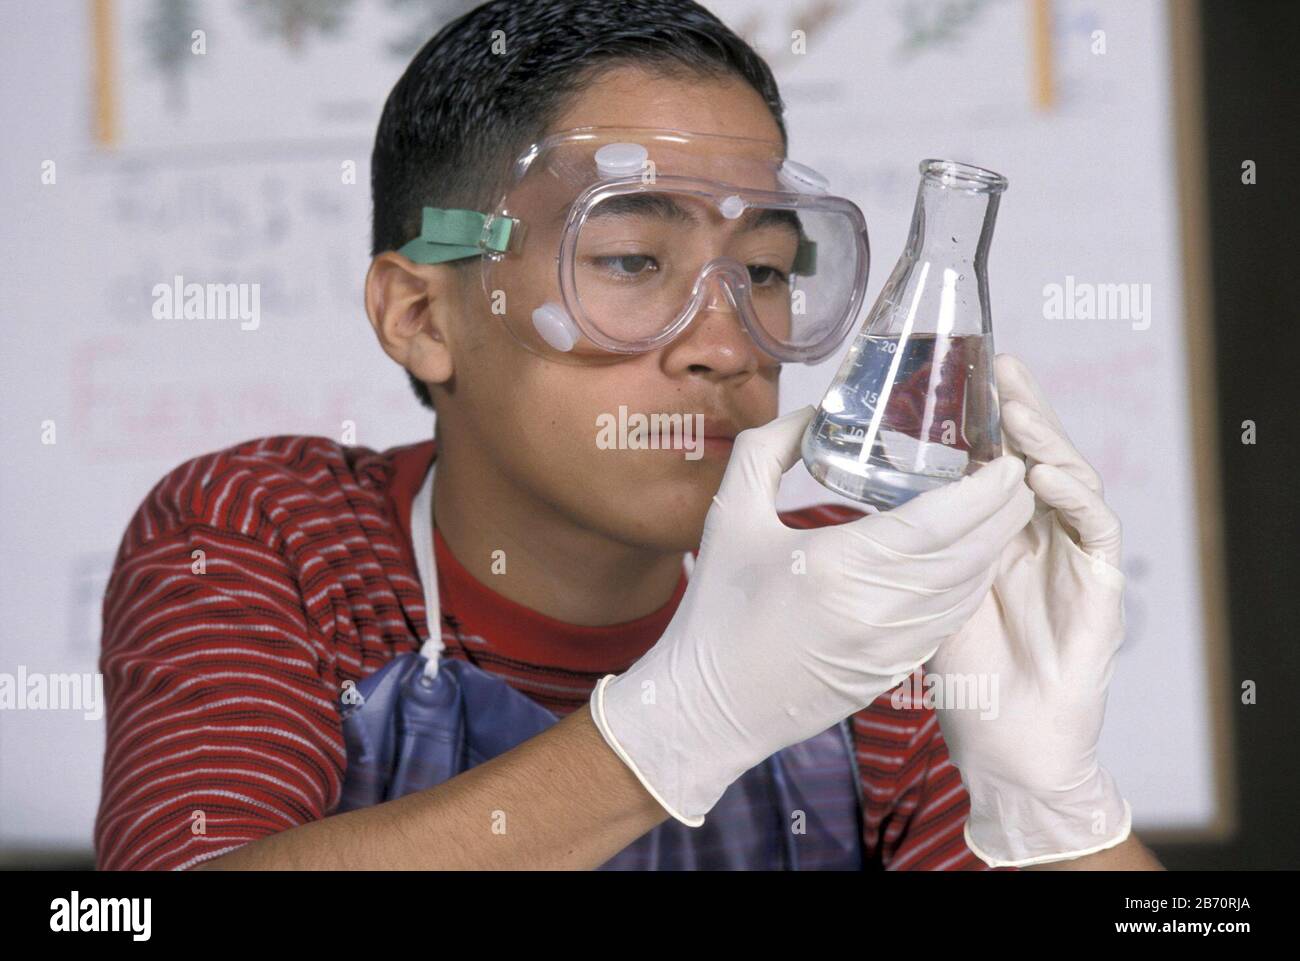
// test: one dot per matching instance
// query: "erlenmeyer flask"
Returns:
(914, 405)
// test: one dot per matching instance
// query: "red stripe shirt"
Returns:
(253, 582)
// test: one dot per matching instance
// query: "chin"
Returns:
(657, 501)
(675, 537)
(677, 512)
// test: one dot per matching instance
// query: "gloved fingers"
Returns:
(906, 619)
(1082, 508)
(759, 458)
(879, 573)
(1038, 439)
(1017, 385)
(982, 503)
(872, 554)
(972, 596)
(971, 643)
(1016, 382)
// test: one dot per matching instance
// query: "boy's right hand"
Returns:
(782, 633)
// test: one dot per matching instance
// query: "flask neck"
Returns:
(940, 284)
(952, 224)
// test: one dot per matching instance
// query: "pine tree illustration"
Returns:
(932, 23)
(168, 35)
(293, 20)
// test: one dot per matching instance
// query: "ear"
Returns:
(411, 307)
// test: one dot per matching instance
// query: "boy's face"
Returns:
(536, 421)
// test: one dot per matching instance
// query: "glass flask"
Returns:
(914, 404)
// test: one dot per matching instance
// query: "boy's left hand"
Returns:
(1047, 634)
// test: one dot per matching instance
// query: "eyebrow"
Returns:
(666, 208)
(655, 205)
(776, 217)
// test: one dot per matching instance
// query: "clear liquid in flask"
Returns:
(905, 416)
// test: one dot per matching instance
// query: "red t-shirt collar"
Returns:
(484, 618)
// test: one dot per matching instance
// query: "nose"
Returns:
(715, 339)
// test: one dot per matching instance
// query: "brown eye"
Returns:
(762, 275)
(630, 265)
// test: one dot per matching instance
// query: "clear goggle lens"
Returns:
(641, 263)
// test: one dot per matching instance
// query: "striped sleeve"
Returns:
(222, 726)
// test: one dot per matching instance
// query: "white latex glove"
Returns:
(782, 633)
(1048, 631)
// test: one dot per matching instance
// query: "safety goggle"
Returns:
(611, 240)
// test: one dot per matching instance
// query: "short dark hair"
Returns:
(462, 111)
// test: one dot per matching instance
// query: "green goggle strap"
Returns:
(805, 257)
(455, 234)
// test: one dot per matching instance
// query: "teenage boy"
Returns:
(317, 658)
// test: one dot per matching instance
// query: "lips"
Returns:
(717, 432)
(716, 428)
(719, 436)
